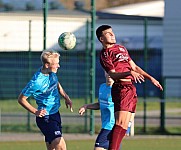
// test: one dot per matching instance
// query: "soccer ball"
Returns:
(67, 40)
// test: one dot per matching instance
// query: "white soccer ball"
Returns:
(67, 40)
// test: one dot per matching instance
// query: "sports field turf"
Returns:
(157, 143)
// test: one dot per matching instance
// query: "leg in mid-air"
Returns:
(125, 99)
(119, 129)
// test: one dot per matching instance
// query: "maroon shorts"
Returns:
(124, 96)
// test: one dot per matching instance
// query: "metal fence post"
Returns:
(0, 121)
(145, 68)
(162, 107)
(92, 71)
(87, 98)
(45, 12)
(29, 73)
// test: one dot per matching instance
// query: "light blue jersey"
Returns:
(44, 89)
(106, 106)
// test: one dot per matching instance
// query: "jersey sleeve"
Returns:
(29, 89)
(129, 58)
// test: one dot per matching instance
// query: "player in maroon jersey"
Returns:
(118, 64)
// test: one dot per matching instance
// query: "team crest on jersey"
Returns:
(121, 49)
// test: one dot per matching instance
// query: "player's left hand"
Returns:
(156, 83)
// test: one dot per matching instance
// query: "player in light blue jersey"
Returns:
(46, 90)
(106, 107)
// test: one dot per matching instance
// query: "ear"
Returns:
(101, 39)
(46, 65)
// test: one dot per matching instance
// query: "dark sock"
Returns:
(117, 135)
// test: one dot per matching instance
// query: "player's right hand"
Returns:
(40, 113)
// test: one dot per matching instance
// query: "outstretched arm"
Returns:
(146, 75)
(68, 101)
(93, 106)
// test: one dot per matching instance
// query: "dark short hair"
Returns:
(100, 29)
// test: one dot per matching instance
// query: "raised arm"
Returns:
(146, 75)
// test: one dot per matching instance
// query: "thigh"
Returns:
(103, 138)
(124, 97)
(58, 143)
(123, 118)
(50, 126)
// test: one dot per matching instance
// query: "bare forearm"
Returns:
(146, 75)
(65, 96)
(142, 72)
(62, 92)
(27, 106)
(93, 106)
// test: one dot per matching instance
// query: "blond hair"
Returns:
(47, 55)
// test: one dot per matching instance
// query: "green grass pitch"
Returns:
(169, 143)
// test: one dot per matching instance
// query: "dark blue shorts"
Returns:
(103, 139)
(50, 126)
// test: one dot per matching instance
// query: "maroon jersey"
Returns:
(116, 58)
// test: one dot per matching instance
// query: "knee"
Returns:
(124, 125)
(56, 141)
(59, 143)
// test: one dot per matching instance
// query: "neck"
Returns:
(109, 84)
(44, 71)
(108, 46)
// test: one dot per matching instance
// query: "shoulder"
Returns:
(107, 52)
(113, 48)
(37, 75)
(54, 76)
(103, 85)
(120, 47)
(39, 78)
